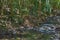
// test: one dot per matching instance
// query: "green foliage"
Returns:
(35, 10)
(18, 9)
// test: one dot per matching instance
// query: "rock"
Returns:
(53, 20)
(47, 28)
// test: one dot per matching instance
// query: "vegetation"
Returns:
(15, 13)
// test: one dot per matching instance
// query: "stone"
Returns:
(47, 28)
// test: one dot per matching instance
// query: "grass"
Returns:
(35, 11)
